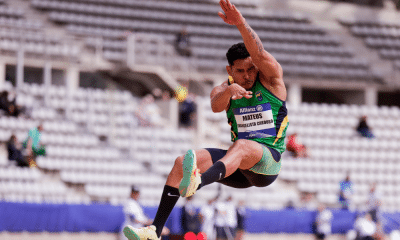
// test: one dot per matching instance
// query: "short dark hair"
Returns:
(135, 189)
(237, 51)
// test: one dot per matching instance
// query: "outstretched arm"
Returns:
(222, 94)
(265, 62)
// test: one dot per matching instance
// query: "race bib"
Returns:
(255, 121)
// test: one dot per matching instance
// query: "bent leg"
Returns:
(236, 179)
(255, 165)
(170, 195)
(243, 154)
(204, 162)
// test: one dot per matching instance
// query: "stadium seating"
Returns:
(379, 35)
(336, 148)
(297, 44)
(76, 154)
(16, 29)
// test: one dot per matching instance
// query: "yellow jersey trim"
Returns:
(283, 126)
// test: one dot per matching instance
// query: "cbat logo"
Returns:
(259, 96)
(259, 108)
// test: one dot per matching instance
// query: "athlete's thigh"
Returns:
(235, 180)
(204, 160)
(249, 151)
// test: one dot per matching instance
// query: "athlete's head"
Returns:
(241, 66)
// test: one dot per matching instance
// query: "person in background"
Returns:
(290, 205)
(182, 43)
(207, 213)
(187, 111)
(231, 216)
(225, 220)
(10, 107)
(373, 203)
(365, 227)
(14, 149)
(4, 104)
(149, 113)
(134, 214)
(364, 129)
(241, 218)
(308, 201)
(295, 147)
(323, 222)
(32, 144)
(346, 192)
(190, 217)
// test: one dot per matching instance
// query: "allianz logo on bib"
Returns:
(246, 110)
(259, 108)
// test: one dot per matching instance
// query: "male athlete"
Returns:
(254, 100)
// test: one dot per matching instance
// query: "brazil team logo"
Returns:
(259, 96)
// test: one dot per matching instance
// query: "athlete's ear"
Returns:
(229, 70)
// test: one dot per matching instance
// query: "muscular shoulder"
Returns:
(275, 85)
(219, 88)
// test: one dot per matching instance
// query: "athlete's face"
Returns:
(243, 72)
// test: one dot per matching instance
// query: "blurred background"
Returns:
(101, 95)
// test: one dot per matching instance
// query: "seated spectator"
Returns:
(295, 147)
(5, 104)
(363, 129)
(10, 107)
(32, 144)
(148, 113)
(187, 111)
(182, 43)
(397, 4)
(14, 149)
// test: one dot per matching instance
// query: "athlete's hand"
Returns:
(238, 92)
(231, 15)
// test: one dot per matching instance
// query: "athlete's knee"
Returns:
(179, 162)
(241, 144)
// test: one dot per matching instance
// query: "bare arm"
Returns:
(222, 94)
(261, 58)
(265, 62)
(220, 97)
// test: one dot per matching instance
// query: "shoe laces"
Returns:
(148, 233)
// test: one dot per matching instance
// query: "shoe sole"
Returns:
(189, 165)
(130, 233)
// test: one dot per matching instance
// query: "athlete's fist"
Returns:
(230, 15)
(238, 92)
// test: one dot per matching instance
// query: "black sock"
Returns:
(213, 174)
(168, 200)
